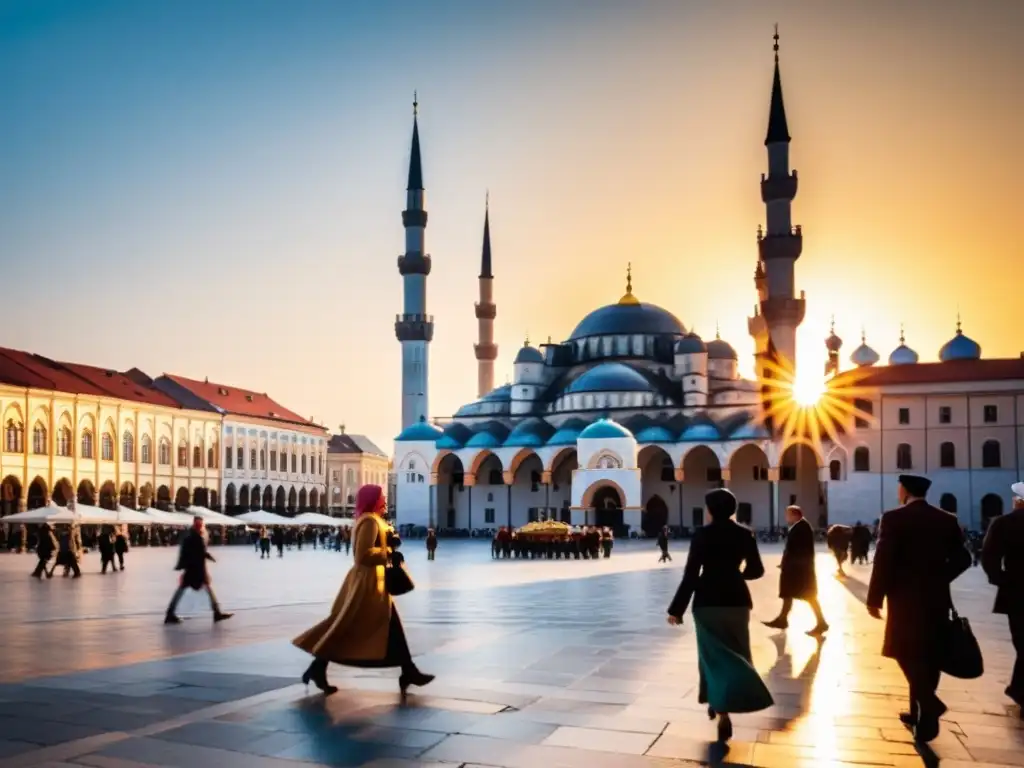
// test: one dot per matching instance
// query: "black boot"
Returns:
(317, 673)
(411, 675)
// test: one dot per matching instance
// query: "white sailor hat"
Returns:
(1018, 490)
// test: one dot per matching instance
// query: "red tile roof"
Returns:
(240, 402)
(950, 372)
(119, 385)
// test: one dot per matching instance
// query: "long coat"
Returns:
(919, 552)
(799, 580)
(1002, 557)
(192, 559)
(357, 629)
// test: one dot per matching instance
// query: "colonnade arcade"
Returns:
(512, 486)
(245, 498)
(107, 496)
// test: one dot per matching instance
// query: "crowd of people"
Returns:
(585, 542)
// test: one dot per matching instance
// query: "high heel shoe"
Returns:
(415, 677)
(724, 729)
(318, 674)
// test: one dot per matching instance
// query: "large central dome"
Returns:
(628, 316)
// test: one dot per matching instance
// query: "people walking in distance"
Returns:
(838, 540)
(860, 544)
(348, 540)
(69, 551)
(363, 629)
(723, 557)
(277, 538)
(919, 552)
(431, 543)
(798, 580)
(105, 543)
(607, 541)
(264, 543)
(121, 544)
(663, 545)
(192, 559)
(1002, 557)
(45, 549)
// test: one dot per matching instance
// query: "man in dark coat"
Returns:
(663, 545)
(192, 564)
(860, 543)
(838, 540)
(1002, 557)
(44, 550)
(918, 553)
(798, 580)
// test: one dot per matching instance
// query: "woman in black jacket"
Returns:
(723, 557)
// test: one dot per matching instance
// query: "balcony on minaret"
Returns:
(485, 311)
(777, 187)
(783, 310)
(414, 264)
(414, 327)
(486, 351)
(784, 246)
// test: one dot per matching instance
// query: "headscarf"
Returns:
(370, 499)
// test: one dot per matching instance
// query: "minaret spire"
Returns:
(778, 129)
(415, 163)
(485, 349)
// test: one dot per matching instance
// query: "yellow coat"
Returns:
(357, 629)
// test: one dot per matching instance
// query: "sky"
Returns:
(214, 187)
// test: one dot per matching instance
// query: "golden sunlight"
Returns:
(808, 389)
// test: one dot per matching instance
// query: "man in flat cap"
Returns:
(1002, 557)
(920, 551)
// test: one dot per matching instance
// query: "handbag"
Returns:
(397, 580)
(963, 657)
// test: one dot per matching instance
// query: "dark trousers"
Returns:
(787, 606)
(106, 560)
(1016, 686)
(430, 554)
(922, 675)
(173, 607)
(40, 568)
(120, 560)
(664, 555)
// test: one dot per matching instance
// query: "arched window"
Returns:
(14, 437)
(182, 454)
(991, 455)
(494, 477)
(87, 444)
(147, 450)
(240, 455)
(948, 502)
(64, 442)
(904, 460)
(39, 446)
(303, 463)
(319, 463)
(273, 460)
(197, 457)
(349, 476)
(947, 455)
(862, 459)
(128, 447)
(835, 470)
(252, 459)
(263, 459)
(211, 457)
(294, 461)
(165, 452)
(107, 447)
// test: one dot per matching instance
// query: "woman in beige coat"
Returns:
(363, 629)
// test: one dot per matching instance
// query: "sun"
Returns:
(808, 390)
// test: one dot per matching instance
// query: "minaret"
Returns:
(414, 328)
(833, 344)
(486, 350)
(780, 309)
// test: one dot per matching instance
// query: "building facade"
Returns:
(272, 458)
(633, 418)
(352, 461)
(74, 431)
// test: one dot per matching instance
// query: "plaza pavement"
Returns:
(540, 664)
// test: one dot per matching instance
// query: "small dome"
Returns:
(691, 344)
(700, 432)
(504, 392)
(568, 433)
(422, 431)
(490, 435)
(864, 355)
(610, 377)
(655, 434)
(528, 354)
(903, 355)
(752, 430)
(605, 429)
(721, 350)
(455, 437)
(531, 433)
(960, 347)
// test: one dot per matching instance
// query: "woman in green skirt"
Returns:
(723, 558)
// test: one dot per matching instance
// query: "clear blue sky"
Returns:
(214, 188)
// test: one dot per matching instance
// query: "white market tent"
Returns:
(159, 517)
(262, 517)
(51, 513)
(214, 518)
(90, 515)
(315, 518)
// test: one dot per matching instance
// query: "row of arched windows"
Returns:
(258, 459)
(14, 436)
(991, 456)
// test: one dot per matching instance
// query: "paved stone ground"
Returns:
(540, 664)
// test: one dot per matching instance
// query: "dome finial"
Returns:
(863, 335)
(628, 297)
(526, 342)
(718, 332)
(903, 337)
(959, 326)
(415, 104)
(832, 327)
(776, 39)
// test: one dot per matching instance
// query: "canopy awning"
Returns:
(263, 517)
(316, 518)
(214, 518)
(90, 515)
(159, 517)
(49, 514)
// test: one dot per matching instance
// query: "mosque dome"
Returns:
(531, 433)
(609, 377)
(833, 343)
(864, 355)
(903, 355)
(691, 344)
(721, 350)
(455, 437)
(655, 433)
(628, 316)
(490, 435)
(421, 431)
(568, 433)
(960, 347)
(699, 432)
(605, 429)
(528, 354)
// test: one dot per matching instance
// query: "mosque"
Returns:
(633, 418)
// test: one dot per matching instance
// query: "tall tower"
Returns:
(780, 310)
(486, 350)
(414, 328)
